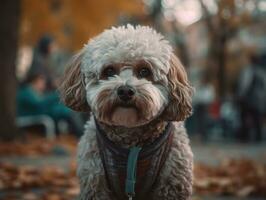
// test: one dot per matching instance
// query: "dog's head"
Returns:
(128, 76)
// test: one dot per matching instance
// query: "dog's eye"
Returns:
(109, 71)
(144, 72)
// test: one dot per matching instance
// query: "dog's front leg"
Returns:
(93, 184)
(175, 179)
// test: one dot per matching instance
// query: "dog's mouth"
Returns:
(124, 115)
(132, 113)
(126, 104)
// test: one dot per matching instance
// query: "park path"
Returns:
(209, 153)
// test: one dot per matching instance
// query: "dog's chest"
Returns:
(149, 164)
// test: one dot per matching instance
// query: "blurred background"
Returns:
(222, 44)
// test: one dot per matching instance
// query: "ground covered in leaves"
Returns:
(28, 181)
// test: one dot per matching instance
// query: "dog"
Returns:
(138, 94)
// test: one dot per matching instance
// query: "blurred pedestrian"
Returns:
(41, 61)
(251, 94)
(203, 98)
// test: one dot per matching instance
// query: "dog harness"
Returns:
(133, 172)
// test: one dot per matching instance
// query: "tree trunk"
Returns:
(9, 20)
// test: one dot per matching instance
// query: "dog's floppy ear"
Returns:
(180, 92)
(72, 87)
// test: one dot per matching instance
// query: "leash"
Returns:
(131, 171)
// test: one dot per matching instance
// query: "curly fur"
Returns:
(124, 43)
(72, 87)
(163, 96)
(179, 107)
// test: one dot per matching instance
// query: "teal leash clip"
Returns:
(132, 171)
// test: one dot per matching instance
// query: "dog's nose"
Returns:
(125, 92)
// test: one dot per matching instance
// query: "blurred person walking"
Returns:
(203, 98)
(42, 63)
(251, 94)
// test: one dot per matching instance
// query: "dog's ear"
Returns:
(72, 89)
(180, 92)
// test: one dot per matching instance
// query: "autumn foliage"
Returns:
(71, 22)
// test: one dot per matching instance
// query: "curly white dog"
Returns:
(134, 145)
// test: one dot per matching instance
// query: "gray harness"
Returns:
(149, 163)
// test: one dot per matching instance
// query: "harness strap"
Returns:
(131, 171)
